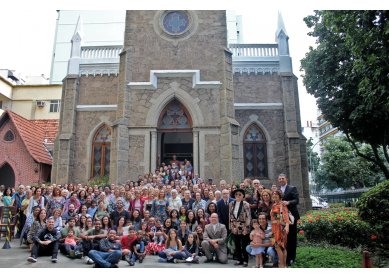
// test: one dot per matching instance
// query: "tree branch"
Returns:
(377, 160)
(384, 149)
(380, 163)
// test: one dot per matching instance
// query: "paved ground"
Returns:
(16, 257)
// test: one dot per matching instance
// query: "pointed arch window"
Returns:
(101, 152)
(254, 153)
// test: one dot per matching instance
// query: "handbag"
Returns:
(291, 217)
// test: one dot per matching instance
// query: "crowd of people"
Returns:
(172, 213)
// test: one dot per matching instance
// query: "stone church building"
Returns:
(177, 87)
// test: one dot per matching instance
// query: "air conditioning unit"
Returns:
(40, 104)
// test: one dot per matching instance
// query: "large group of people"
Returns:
(172, 213)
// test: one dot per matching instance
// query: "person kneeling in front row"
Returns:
(109, 254)
(261, 241)
(46, 242)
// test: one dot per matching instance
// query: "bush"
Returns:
(373, 207)
(340, 226)
(327, 257)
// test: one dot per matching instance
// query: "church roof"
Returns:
(50, 128)
(32, 135)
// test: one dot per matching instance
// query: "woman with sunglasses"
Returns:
(240, 218)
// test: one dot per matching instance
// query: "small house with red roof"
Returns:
(25, 149)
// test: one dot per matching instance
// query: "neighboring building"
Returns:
(326, 130)
(32, 101)
(177, 89)
(24, 154)
(28, 126)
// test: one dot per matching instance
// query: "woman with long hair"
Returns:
(280, 227)
(121, 227)
(38, 224)
(56, 202)
(265, 205)
(173, 250)
(36, 200)
(88, 225)
(106, 223)
(82, 196)
(159, 208)
(182, 213)
(82, 222)
(57, 219)
(174, 218)
(136, 219)
(212, 208)
(200, 217)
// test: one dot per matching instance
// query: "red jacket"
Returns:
(127, 242)
(132, 206)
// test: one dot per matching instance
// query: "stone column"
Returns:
(153, 151)
(195, 152)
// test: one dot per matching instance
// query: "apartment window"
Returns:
(55, 106)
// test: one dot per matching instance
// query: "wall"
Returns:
(17, 156)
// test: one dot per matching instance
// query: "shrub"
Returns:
(373, 207)
(340, 226)
(327, 257)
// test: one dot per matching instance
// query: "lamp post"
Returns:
(312, 172)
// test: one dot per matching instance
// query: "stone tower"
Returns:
(175, 60)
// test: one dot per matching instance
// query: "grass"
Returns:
(309, 256)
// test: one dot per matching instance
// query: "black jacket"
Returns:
(45, 234)
(291, 195)
(223, 211)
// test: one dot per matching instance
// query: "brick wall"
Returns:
(16, 155)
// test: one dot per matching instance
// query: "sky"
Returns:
(28, 28)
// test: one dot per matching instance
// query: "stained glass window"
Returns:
(254, 153)
(101, 151)
(174, 117)
(176, 22)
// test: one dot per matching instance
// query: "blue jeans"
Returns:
(270, 252)
(177, 255)
(140, 248)
(105, 259)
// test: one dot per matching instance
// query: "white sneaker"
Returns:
(88, 260)
(32, 259)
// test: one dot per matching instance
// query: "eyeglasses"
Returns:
(238, 194)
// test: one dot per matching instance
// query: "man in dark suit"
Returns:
(223, 209)
(290, 198)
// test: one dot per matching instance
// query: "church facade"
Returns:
(176, 88)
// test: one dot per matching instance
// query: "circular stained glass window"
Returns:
(176, 22)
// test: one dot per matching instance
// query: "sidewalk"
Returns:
(16, 257)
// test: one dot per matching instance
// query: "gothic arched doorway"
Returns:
(175, 135)
(7, 176)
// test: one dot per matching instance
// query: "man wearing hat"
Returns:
(240, 218)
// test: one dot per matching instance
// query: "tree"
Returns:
(348, 74)
(341, 167)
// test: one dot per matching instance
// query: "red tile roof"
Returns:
(50, 128)
(32, 135)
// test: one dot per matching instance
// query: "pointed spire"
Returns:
(75, 54)
(280, 26)
(283, 46)
(78, 33)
